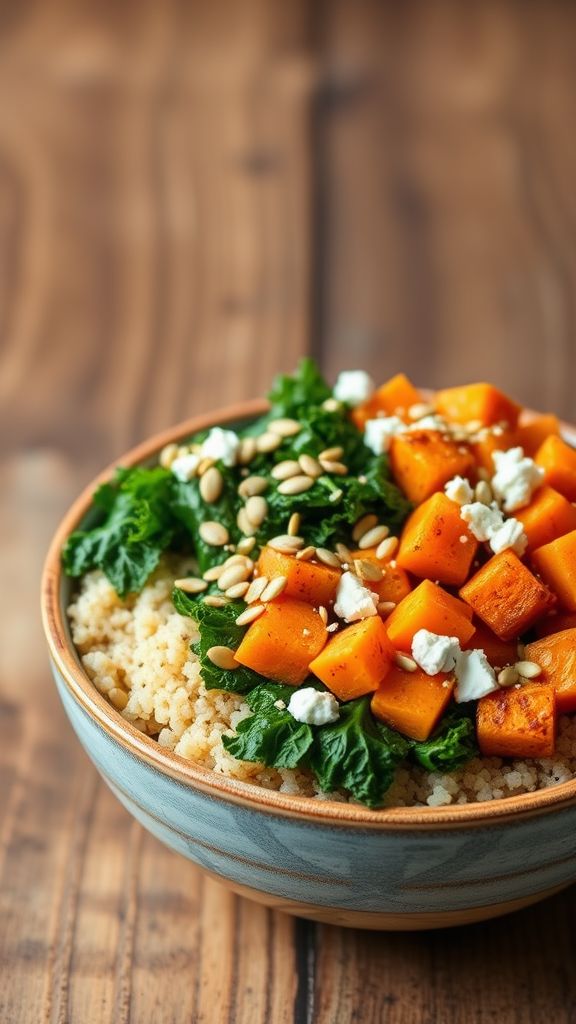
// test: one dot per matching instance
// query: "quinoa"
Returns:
(137, 653)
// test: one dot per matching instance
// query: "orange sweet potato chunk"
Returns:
(556, 654)
(355, 660)
(395, 584)
(548, 516)
(412, 702)
(533, 429)
(558, 460)
(517, 723)
(499, 652)
(436, 543)
(507, 596)
(481, 402)
(307, 581)
(422, 461)
(283, 641)
(428, 607)
(393, 398)
(556, 563)
(555, 623)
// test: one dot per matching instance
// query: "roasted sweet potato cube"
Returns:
(436, 543)
(499, 652)
(517, 723)
(412, 702)
(355, 660)
(558, 460)
(393, 398)
(395, 583)
(556, 563)
(548, 516)
(307, 581)
(556, 654)
(429, 607)
(481, 402)
(507, 596)
(422, 461)
(533, 429)
(283, 641)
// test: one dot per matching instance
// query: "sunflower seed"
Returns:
(244, 546)
(222, 657)
(233, 574)
(385, 607)
(295, 485)
(344, 553)
(323, 613)
(268, 442)
(244, 524)
(213, 573)
(252, 485)
(328, 558)
(167, 455)
(310, 466)
(246, 450)
(255, 589)
(237, 590)
(404, 662)
(363, 525)
(367, 570)
(191, 585)
(250, 614)
(274, 588)
(306, 553)
(387, 547)
(215, 601)
(211, 484)
(285, 427)
(286, 543)
(508, 676)
(256, 509)
(528, 669)
(213, 533)
(294, 524)
(329, 466)
(332, 454)
(239, 559)
(284, 470)
(373, 537)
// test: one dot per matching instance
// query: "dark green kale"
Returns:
(270, 735)
(217, 628)
(190, 509)
(131, 526)
(292, 395)
(452, 744)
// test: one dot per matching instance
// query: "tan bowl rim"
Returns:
(195, 775)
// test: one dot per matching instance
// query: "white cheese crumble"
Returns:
(516, 478)
(353, 387)
(354, 601)
(312, 707)
(435, 653)
(487, 523)
(379, 433)
(475, 677)
(184, 466)
(459, 490)
(222, 445)
(432, 422)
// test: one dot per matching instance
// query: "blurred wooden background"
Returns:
(192, 195)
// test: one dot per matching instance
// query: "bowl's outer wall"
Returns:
(317, 864)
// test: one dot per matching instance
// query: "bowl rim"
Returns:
(188, 772)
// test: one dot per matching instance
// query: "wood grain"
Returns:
(191, 195)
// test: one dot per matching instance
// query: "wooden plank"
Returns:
(154, 240)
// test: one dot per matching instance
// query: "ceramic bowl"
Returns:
(404, 868)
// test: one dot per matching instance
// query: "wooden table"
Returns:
(191, 195)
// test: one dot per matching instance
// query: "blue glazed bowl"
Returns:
(404, 868)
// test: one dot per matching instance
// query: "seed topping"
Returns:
(191, 585)
(222, 657)
(296, 485)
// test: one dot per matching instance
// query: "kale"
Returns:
(190, 509)
(270, 735)
(452, 744)
(132, 527)
(291, 395)
(217, 628)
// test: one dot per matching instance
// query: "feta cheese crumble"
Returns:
(487, 523)
(313, 707)
(378, 433)
(435, 653)
(510, 535)
(459, 490)
(222, 445)
(475, 677)
(184, 466)
(516, 478)
(353, 600)
(353, 387)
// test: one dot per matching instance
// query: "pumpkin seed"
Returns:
(528, 669)
(294, 524)
(274, 588)
(255, 589)
(244, 546)
(310, 466)
(284, 470)
(323, 613)
(337, 468)
(213, 533)
(508, 676)
(268, 442)
(256, 509)
(215, 601)
(387, 547)
(404, 662)
(191, 585)
(306, 553)
(246, 450)
(332, 454)
(237, 590)
(363, 525)
(367, 570)
(295, 485)
(250, 614)
(244, 523)
(211, 484)
(328, 558)
(167, 455)
(286, 543)
(285, 427)
(222, 657)
(233, 574)
(373, 537)
(213, 573)
(252, 485)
